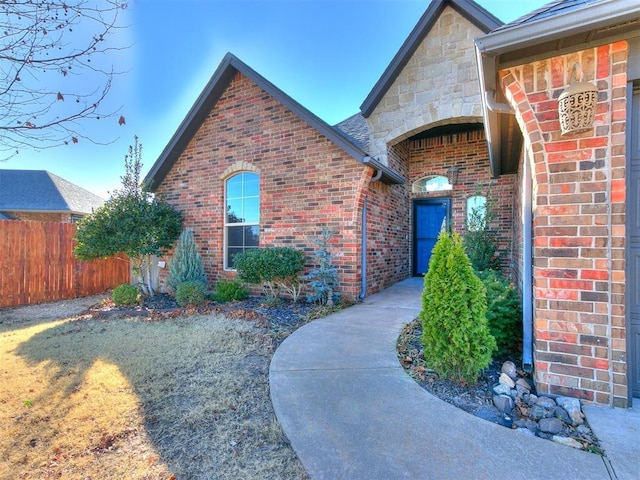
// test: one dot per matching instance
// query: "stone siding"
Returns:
(439, 85)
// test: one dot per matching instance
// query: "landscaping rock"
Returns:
(522, 387)
(501, 389)
(506, 380)
(509, 368)
(503, 403)
(562, 414)
(551, 425)
(572, 406)
(546, 402)
(567, 441)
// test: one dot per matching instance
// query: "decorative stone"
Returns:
(533, 398)
(506, 380)
(551, 425)
(567, 441)
(572, 406)
(501, 389)
(562, 414)
(538, 412)
(503, 403)
(509, 368)
(524, 384)
(546, 402)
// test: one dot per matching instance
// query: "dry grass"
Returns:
(85, 398)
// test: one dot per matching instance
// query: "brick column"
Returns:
(579, 225)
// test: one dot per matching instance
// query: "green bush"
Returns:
(455, 335)
(125, 294)
(186, 264)
(272, 268)
(191, 293)
(230, 290)
(504, 312)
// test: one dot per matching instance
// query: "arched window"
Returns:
(476, 212)
(242, 216)
(434, 183)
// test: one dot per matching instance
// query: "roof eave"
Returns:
(211, 94)
(468, 9)
(489, 47)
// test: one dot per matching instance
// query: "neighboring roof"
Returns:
(6, 217)
(557, 28)
(355, 128)
(42, 191)
(212, 92)
(470, 10)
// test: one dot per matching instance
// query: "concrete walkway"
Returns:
(351, 412)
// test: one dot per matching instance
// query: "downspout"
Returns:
(527, 270)
(494, 106)
(363, 280)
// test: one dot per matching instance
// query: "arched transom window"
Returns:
(242, 217)
(433, 183)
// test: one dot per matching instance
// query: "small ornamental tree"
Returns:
(480, 237)
(133, 221)
(324, 279)
(455, 335)
(186, 264)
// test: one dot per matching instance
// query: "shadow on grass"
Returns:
(198, 386)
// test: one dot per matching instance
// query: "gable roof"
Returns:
(470, 10)
(212, 92)
(556, 28)
(42, 191)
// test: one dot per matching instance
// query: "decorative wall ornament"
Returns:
(577, 104)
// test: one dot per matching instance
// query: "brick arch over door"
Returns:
(578, 228)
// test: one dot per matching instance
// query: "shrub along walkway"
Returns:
(351, 412)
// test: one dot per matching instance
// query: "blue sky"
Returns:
(326, 54)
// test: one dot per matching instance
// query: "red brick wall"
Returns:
(579, 232)
(388, 227)
(433, 156)
(306, 182)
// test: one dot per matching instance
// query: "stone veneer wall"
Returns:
(439, 85)
(306, 182)
(579, 225)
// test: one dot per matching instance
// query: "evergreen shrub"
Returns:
(186, 264)
(455, 334)
(191, 293)
(230, 290)
(272, 268)
(504, 312)
(125, 294)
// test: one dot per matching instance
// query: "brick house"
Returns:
(251, 167)
(41, 196)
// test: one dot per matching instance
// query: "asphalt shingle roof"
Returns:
(355, 129)
(546, 11)
(39, 190)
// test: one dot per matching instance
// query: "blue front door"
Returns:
(429, 218)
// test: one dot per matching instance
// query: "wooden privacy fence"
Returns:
(37, 265)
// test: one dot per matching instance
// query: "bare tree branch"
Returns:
(54, 69)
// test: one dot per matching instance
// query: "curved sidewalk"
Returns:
(351, 412)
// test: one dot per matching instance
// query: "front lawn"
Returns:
(128, 398)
